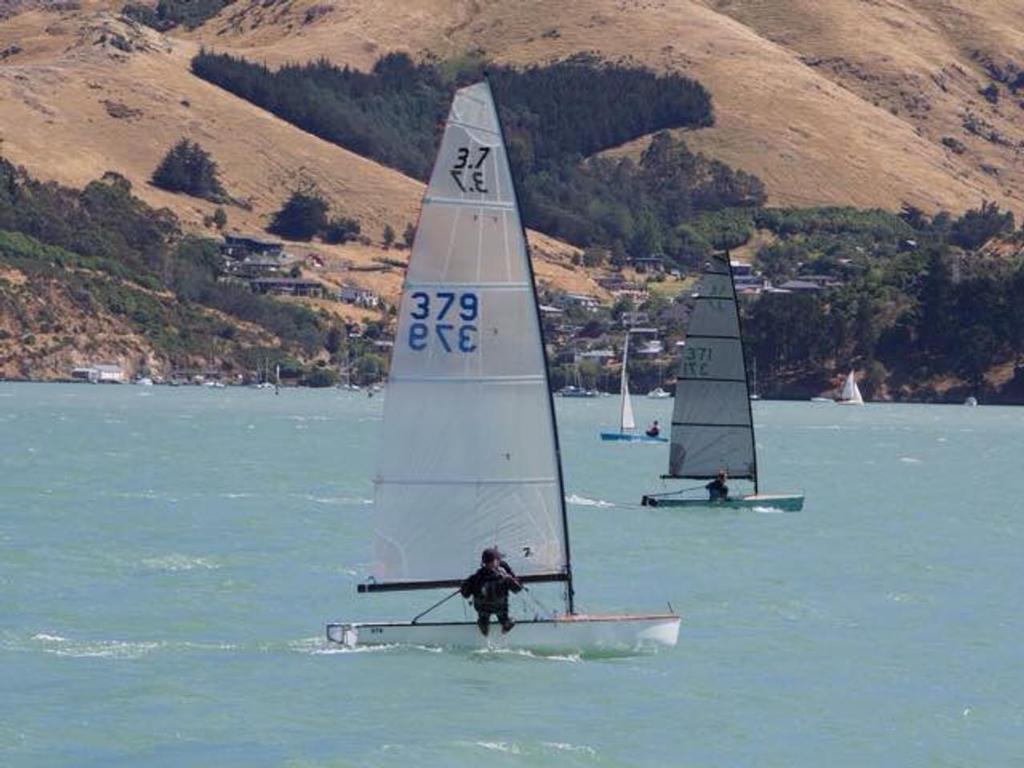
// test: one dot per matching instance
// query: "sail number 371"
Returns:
(444, 319)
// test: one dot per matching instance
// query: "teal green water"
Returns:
(168, 558)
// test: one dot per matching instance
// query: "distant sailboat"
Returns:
(627, 424)
(712, 423)
(469, 454)
(850, 394)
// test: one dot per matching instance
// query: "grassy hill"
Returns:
(85, 91)
(827, 101)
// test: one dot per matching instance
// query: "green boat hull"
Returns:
(786, 502)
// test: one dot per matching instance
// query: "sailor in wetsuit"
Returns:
(717, 489)
(654, 430)
(489, 588)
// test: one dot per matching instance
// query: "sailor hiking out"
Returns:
(489, 588)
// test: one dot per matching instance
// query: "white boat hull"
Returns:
(564, 633)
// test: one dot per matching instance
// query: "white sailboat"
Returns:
(627, 423)
(470, 453)
(850, 394)
(712, 422)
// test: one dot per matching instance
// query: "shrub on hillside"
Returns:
(302, 216)
(188, 168)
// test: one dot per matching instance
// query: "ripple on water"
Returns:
(178, 562)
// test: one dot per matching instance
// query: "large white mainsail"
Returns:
(469, 456)
(712, 428)
(626, 420)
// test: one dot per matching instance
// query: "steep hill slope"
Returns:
(85, 91)
(827, 101)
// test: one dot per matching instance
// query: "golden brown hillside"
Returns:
(828, 101)
(85, 91)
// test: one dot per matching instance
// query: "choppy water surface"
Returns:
(168, 558)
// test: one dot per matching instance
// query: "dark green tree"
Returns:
(188, 168)
(303, 215)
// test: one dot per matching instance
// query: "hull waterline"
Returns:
(786, 502)
(564, 633)
(628, 437)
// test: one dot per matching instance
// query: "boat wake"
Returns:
(340, 500)
(544, 747)
(526, 654)
(583, 501)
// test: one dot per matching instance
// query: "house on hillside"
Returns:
(251, 257)
(599, 356)
(629, 319)
(582, 300)
(648, 263)
(239, 246)
(747, 281)
(798, 286)
(361, 297)
(99, 373)
(288, 286)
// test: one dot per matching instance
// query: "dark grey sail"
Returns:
(712, 428)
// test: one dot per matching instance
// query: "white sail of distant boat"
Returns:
(712, 421)
(469, 457)
(627, 423)
(850, 394)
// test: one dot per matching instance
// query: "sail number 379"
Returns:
(444, 319)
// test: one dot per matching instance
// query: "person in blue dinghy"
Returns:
(489, 588)
(654, 430)
(717, 489)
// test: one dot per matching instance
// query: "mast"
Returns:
(743, 357)
(569, 591)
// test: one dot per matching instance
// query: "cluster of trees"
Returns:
(555, 117)
(304, 216)
(914, 303)
(636, 209)
(188, 168)
(168, 14)
(104, 228)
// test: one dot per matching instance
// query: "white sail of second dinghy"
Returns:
(626, 421)
(469, 452)
(850, 394)
(712, 427)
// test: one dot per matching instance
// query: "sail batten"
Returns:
(712, 428)
(469, 455)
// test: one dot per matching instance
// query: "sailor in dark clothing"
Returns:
(717, 489)
(654, 430)
(489, 588)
